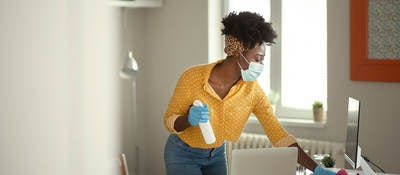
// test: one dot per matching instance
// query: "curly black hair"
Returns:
(249, 28)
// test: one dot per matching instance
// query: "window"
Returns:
(298, 61)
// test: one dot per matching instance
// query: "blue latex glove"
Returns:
(198, 114)
(321, 171)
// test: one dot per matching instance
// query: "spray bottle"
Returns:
(206, 129)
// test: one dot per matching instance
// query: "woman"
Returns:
(230, 93)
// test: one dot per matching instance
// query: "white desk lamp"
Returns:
(130, 67)
(129, 71)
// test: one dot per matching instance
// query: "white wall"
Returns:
(133, 30)
(59, 82)
(175, 39)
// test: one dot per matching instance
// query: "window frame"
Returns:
(284, 113)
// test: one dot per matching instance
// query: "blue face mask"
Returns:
(254, 70)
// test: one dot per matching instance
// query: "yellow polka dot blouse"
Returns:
(228, 115)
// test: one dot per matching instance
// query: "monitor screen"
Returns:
(353, 121)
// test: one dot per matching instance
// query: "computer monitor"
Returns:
(353, 150)
(352, 153)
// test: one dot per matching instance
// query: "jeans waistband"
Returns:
(204, 151)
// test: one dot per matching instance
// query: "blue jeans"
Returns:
(181, 159)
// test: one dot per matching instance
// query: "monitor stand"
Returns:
(366, 169)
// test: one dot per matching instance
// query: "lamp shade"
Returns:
(130, 67)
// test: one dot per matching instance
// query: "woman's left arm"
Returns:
(306, 161)
(303, 158)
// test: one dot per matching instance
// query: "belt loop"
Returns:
(212, 149)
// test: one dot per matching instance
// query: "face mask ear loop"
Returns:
(239, 65)
(244, 58)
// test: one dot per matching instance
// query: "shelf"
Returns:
(135, 3)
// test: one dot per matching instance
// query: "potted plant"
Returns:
(328, 162)
(318, 111)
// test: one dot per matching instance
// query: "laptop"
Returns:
(264, 161)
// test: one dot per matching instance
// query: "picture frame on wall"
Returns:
(375, 40)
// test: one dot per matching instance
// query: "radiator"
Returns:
(248, 140)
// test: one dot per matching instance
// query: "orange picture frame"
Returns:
(363, 68)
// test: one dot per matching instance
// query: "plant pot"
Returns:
(318, 114)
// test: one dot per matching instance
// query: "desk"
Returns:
(351, 172)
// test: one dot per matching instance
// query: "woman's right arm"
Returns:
(181, 123)
(175, 117)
